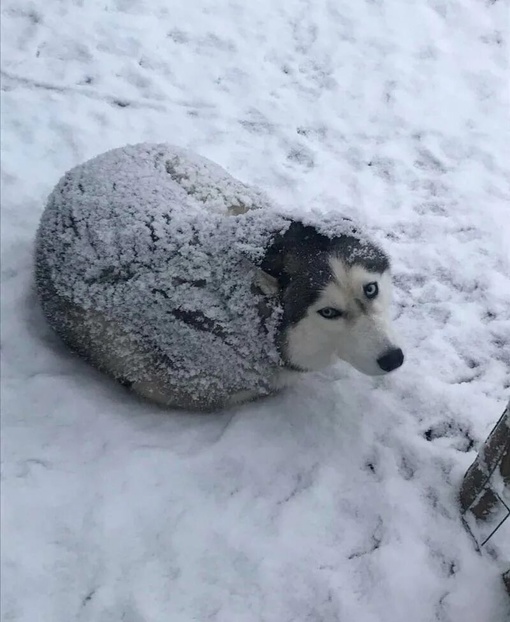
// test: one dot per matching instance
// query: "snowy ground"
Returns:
(336, 501)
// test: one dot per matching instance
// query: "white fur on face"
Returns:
(360, 337)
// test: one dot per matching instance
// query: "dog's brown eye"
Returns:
(330, 313)
(371, 290)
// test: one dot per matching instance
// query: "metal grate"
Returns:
(485, 492)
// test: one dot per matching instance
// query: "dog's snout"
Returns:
(391, 360)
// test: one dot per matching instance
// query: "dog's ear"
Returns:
(267, 284)
(289, 251)
(276, 259)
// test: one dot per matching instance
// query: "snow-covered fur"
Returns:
(193, 289)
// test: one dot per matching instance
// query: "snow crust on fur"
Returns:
(140, 234)
(166, 244)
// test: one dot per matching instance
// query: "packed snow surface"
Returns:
(335, 501)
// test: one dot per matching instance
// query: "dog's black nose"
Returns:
(391, 360)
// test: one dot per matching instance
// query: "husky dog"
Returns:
(191, 288)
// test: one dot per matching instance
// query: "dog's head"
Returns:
(336, 294)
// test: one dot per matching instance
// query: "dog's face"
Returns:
(336, 296)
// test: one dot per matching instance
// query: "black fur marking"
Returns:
(112, 274)
(196, 283)
(359, 253)
(302, 244)
(199, 321)
(150, 225)
(304, 289)
(195, 319)
(299, 260)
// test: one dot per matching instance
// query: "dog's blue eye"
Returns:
(371, 290)
(329, 313)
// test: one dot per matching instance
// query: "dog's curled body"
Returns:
(148, 263)
(145, 263)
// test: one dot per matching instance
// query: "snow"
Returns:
(335, 500)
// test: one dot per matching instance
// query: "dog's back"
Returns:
(133, 273)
